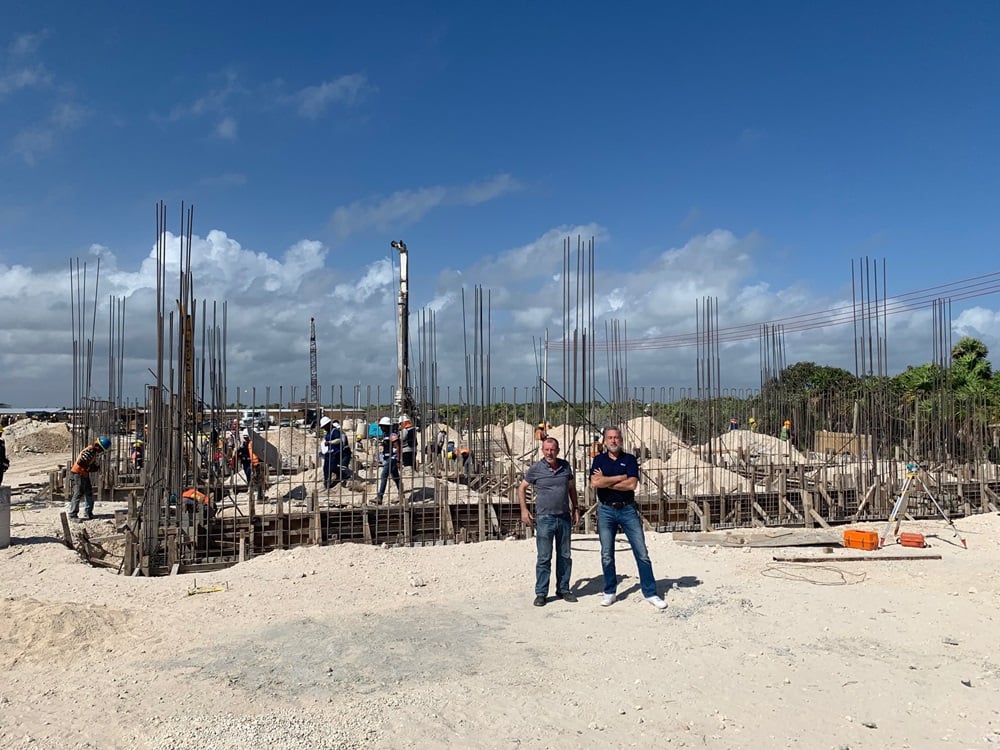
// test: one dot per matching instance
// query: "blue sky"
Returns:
(744, 151)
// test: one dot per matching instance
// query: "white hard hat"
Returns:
(405, 418)
(336, 424)
(385, 421)
(324, 421)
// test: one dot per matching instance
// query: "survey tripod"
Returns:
(899, 507)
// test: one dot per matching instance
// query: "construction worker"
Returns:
(86, 464)
(375, 432)
(336, 453)
(463, 456)
(786, 430)
(734, 423)
(4, 462)
(596, 445)
(753, 424)
(389, 456)
(407, 442)
(253, 469)
(137, 455)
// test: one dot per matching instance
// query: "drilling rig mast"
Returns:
(404, 397)
(313, 370)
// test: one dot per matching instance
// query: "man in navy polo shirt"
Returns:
(614, 476)
(556, 512)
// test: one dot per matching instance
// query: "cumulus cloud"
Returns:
(405, 207)
(270, 298)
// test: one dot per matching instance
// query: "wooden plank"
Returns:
(819, 519)
(67, 534)
(784, 501)
(853, 558)
(807, 504)
(757, 538)
(864, 501)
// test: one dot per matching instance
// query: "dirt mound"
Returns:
(644, 434)
(521, 438)
(32, 436)
(694, 475)
(756, 445)
(42, 630)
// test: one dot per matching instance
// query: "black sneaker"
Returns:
(567, 596)
(88, 518)
(539, 601)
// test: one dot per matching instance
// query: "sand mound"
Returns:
(695, 476)
(644, 434)
(32, 436)
(35, 629)
(520, 437)
(755, 445)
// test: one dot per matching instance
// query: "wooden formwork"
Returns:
(191, 542)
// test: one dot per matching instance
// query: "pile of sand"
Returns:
(755, 446)
(521, 438)
(645, 434)
(32, 436)
(694, 475)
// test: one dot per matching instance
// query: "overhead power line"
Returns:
(976, 286)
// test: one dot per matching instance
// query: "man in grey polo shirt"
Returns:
(556, 513)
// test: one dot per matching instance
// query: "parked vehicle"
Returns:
(256, 418)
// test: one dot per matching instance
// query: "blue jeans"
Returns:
(82, 490)
(549, 529)
(389, 466)
(609, 521)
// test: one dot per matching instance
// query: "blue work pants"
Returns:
(553, 530)
(609, 520)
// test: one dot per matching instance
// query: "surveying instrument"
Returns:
(899, 507)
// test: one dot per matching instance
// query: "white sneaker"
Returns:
(656, 601)
(608, 600)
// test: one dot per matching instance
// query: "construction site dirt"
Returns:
(388, 645)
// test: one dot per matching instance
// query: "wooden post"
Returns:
(807, 507)
(67, 534)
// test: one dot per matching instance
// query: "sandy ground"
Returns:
(354, 647)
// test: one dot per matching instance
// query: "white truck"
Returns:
(258, 419)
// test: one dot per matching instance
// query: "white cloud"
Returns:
(33, 140)
(37, 139)
(24, 78)
(408, 206)
(217, 102)
(312, 101)
(270, 298)
(226, 128)
(25, 45)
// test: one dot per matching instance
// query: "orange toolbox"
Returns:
(860, 539)
(910, 539)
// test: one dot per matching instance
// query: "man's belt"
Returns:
(618, 504)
